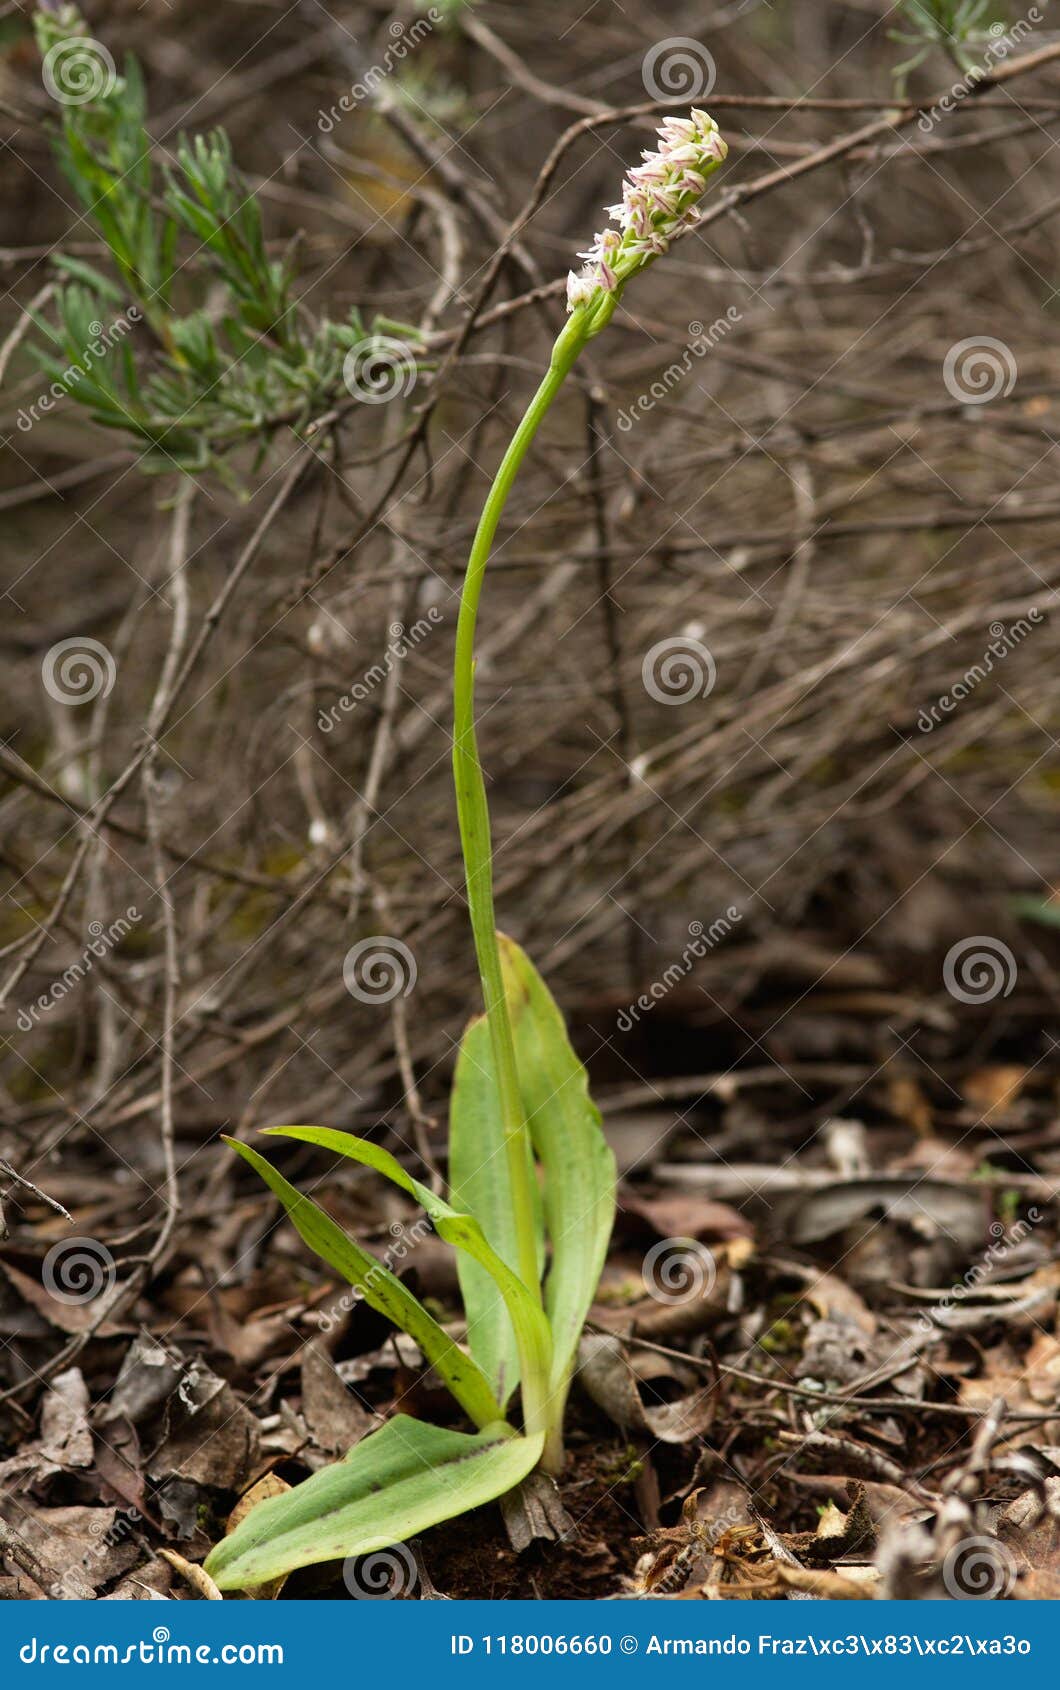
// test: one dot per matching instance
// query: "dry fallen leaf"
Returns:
(268, 1486)
(994, 1089)
(197, 1577)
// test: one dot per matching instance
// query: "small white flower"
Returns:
(580, 288)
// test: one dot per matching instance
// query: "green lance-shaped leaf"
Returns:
(382, 1291)
(528, 1322)
(578, 1164)
(395, 1483)
(479, 1183)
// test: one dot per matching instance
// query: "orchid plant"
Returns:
(532, 1180)
(531, 1177)
(528, 1162)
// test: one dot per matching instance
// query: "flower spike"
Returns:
(658, 199)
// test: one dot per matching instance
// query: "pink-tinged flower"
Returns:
(658, 199)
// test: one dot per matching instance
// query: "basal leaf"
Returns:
(578, 1164)
(478, 1177)
(382, 1291)
(459, 1229)
(395, 1483)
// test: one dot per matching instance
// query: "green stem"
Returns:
(473, 813)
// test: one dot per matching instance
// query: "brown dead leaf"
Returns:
(1030, 1528)
(211, 1439)
(534, 1510)
(246, 1341)
(269, 1485)
(79, 1548)
(611, 1373)
(65, 1435)
(995, 1088)
(72, 1318)
(956, 1211)
(687, 1215)
(334, 1418)
(907, 1103)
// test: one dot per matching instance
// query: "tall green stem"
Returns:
(473, 812)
